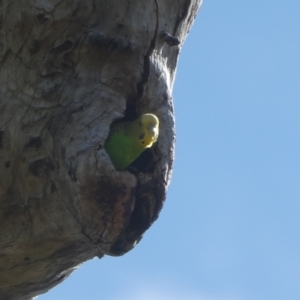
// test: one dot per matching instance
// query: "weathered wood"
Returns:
(68, 69)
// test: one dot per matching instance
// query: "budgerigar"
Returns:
(128, 139)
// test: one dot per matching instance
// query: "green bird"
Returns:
(127, 140)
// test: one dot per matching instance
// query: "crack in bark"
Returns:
(132, 233)
(146, 68)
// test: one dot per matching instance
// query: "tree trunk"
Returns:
(68, 69)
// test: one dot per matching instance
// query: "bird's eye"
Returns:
(140, 124)
(141, 136)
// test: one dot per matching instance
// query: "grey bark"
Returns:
(68, 69)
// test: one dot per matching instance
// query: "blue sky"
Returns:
(230, 228)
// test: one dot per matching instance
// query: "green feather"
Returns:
(127, 140)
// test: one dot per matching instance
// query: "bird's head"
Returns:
(150, 128)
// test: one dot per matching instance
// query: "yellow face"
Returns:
(150, 129)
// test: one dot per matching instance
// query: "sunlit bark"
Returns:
(68, 69)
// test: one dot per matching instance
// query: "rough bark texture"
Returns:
(68, 69)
